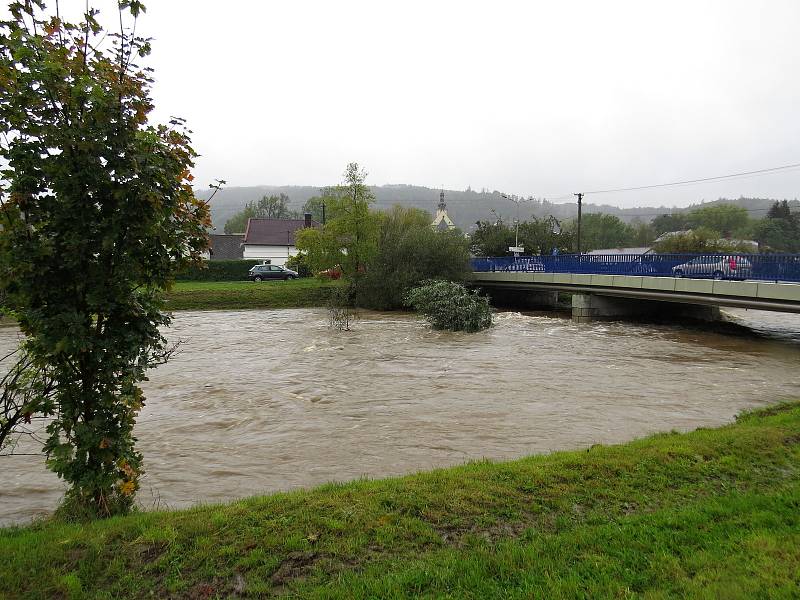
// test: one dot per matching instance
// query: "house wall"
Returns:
(276, 254)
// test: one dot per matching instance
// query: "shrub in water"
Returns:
(451, 306)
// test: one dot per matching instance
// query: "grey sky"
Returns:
(532, 98)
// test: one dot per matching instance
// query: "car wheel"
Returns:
(718, 275)
(257, 278)
(287, 278)
(678, 273)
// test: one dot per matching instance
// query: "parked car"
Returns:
(716, 267)
(262, 272)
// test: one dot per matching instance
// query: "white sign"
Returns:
(518, 249)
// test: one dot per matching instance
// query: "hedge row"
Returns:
(219, 270)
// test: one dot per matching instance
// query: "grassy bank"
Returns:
(713, 513)
(203, 295)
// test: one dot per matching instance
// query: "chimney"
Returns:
(307, 217)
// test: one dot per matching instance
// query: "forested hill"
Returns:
(465, 207)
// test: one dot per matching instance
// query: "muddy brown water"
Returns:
(259, 401)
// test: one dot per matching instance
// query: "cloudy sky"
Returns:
(532, 98)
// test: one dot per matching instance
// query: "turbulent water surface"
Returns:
(259, 401)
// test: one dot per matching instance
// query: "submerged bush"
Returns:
(341, 308)
(451, 306)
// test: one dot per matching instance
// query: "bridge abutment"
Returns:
(590, 307)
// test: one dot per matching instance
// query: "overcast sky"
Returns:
(532, 98)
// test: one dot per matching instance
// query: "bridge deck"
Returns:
(761, 295)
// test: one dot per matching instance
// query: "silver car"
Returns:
(716, 267)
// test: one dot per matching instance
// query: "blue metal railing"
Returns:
(764, 267)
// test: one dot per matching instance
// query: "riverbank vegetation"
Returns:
(380, 255)
(218, 270)
(233, 295)
(712, 513)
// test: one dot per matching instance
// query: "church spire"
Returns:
(442, 221)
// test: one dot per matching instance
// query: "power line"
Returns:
(701, 180)
(756, 172)
(684, 210)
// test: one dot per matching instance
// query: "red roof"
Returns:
(273, 232)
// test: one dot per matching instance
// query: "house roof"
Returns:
(273, 232)
(226, 246)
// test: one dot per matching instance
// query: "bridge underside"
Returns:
(599, 296)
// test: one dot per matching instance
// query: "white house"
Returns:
(273, 239)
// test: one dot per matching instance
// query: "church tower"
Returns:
(442, 221)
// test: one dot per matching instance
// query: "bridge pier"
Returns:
(590, 307)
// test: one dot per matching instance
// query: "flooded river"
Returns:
(259, 401)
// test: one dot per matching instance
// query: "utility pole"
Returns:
(580, 197)
(322, 192)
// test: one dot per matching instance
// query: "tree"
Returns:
(669, 222)
(275, 207)
(698, 240)
(26, 397)
(600, 230)
(410, 251)
(350, 239)
(238, 222)
(98, 214)
(642, 234)
(537, 236)
(492, 238)
(780, 230)
(781, 210)
(314, 206)
(268, 207)
(541, 236)
(727, 219)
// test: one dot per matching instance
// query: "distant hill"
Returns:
(465, 207)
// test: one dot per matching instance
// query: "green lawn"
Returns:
(205, 295)
(710, 514)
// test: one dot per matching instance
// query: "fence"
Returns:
(764, 267)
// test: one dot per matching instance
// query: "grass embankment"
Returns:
(713, 513)
(208, 295)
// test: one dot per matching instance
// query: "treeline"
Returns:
(465, 207)
(273, 207)
(715, 227)
(721, 227)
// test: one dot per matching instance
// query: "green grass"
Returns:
(205, 295)
(710, 514)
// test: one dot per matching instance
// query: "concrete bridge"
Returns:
(608, 296)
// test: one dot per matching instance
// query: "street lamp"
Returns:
(516, 201)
